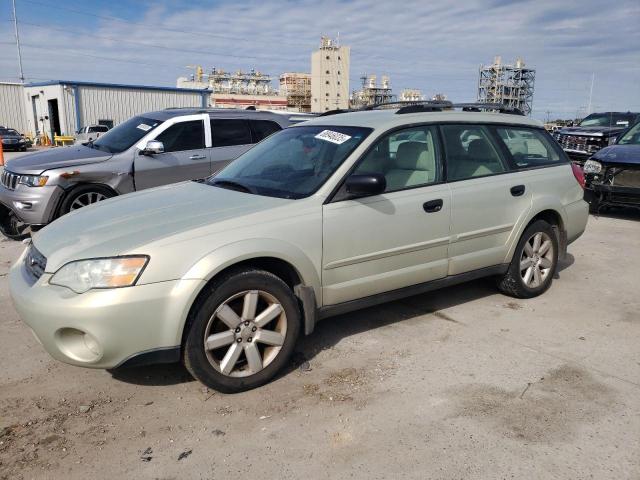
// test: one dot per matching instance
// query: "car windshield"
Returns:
(8, 131)
(292, 163)
(124, 135)
(632, 137)
(607, 120)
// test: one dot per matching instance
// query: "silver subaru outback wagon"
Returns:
(156, 148)
(322, 218)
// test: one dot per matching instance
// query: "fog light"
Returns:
(78, 345)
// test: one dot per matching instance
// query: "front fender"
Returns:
(214, 262)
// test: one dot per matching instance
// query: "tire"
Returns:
(12, 227)
(230, 297)
(525, 283)
(84, 194)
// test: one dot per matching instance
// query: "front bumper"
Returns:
(32, 205)
(102, 328)
(599, 194)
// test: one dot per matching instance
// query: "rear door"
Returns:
(489, 200)
(184, 157)
(230, 137)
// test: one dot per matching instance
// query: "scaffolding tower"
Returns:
(510, 85)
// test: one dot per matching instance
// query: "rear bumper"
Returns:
(32, 205)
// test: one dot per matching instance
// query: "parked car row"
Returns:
(327, 216)
(146, 151)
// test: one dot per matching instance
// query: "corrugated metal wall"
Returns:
(120, 104)
(12, 107)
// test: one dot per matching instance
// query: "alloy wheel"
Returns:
(87, 199)
(537, 259)
(245, 333)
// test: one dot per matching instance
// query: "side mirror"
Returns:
(365, 185)
(153, 147)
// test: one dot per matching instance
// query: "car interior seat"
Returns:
(414, 165)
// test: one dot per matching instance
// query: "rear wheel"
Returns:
(243, 332)
(83, 196)
(534, 262)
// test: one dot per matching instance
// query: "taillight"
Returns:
(578, 173)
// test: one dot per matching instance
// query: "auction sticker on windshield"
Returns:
(144, 126)
(333, 137)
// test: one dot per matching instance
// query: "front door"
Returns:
(185, 156)
(393, 240)
(489, 199)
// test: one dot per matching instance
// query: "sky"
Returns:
(436, 46)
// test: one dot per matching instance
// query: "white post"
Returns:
(15, 26)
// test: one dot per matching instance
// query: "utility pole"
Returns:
(15, 26)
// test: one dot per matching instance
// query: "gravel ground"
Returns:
(460, 383)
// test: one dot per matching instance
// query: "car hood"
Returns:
(38, 162)
(605, 131)
(123, 225)
(629, 154)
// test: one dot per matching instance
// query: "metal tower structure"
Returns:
(510, 85)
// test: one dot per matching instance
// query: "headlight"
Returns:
(84, 275)
(33, 180)
(591, 166)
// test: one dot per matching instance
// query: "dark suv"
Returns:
(594, 132)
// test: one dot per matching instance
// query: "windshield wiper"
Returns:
(231, 185)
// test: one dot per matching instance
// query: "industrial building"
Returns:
(62, 107)
(411, 95)
(235, 89)
(511, 85)
(371, 93)
(330, 76)
(296, 87)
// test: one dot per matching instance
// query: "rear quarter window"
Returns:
(261, 129)
(529, 147)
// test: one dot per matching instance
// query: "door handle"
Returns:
(432, 206)
(517, 191)
(197, 157)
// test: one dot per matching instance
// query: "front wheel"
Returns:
(83, 196)
(534, 262)
(243, 332)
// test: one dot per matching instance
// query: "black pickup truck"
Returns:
(593, 133)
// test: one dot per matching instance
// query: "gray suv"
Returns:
(149, 150)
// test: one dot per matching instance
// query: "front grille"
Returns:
(627, 178)
(9, 180)
(579, 143)
(35, 262)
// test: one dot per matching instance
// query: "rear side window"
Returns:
(528, 147)
(183, 136)
(97, 128)
(263, 128)
(230, 132)
(470, 152)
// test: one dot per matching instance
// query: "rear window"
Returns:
(230, 132)
(529, 147)
(263, 128)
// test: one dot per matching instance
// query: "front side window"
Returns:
(292, 163)
(528, 147)
(125, 135)
(406, 158)
(230, 132)
(183, 136)
(470, 152)
(263, 128)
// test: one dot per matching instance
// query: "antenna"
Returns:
(15, 26)
(593, 77)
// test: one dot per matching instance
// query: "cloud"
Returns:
(436, 46)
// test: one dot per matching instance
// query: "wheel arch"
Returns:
(282, 259)
(550, 213)
(70, 189)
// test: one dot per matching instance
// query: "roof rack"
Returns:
(439, 106)
(339, 110)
